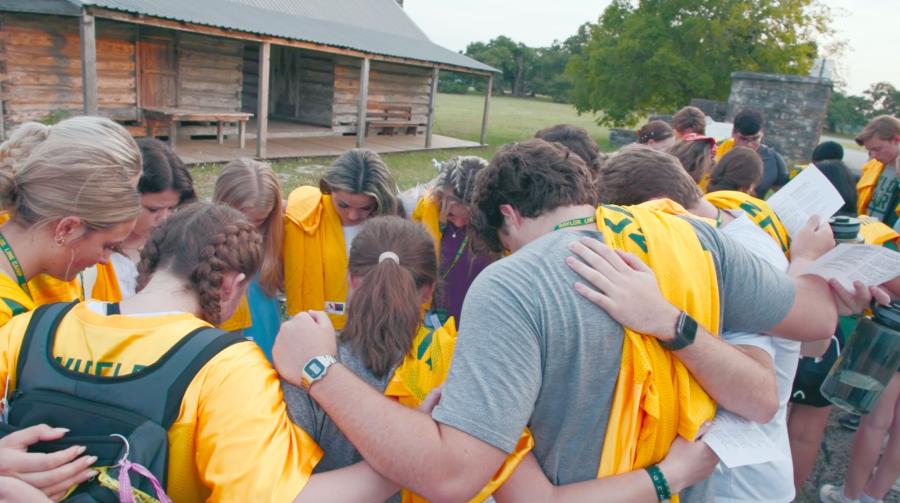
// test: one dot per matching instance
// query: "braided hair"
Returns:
(457, 179)
(201, 243)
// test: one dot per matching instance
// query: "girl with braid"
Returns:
(253, 188)
(445, 214)
(232, 439)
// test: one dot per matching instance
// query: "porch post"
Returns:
(487, 107)
(363, 103)
(262, 105)
(88, 62)
(429, 129)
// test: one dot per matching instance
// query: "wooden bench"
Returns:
(170, 117)
(390, 118)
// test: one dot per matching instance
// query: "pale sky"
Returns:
(871, 28)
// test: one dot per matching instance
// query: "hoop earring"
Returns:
(59, 240)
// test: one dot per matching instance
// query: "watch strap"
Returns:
(685, 332)
(315, 369)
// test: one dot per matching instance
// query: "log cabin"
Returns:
(207, 68)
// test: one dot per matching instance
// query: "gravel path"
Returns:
(832, 463)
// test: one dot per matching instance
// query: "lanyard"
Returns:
(459, 253)
(575, 222)
(14, 263)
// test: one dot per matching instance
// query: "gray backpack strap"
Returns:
(155, 391)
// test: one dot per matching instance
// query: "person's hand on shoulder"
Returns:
(624, 287)
(305, 336)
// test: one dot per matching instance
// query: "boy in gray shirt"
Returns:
(531, 351)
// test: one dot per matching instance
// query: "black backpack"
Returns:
(102, 413)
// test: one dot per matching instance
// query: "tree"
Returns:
(884, 98)
(549, 77)
(657, 55)
(514, 59)
(847, 114)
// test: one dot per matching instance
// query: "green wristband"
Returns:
(659, 483)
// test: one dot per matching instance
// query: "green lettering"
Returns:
(614, 227)
(424, 345)
(639, 240)
(98, 370)
(750, 208)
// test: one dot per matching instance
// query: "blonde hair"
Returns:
(245, 183)
(361, 171)
(883, 127)
(15, 151)
(81, 167)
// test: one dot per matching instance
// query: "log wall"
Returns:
(209, 72)
(389, 83)
(40, 68)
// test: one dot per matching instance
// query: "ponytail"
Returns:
(385, 305)
(393, 259)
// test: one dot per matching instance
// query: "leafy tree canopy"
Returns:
(657, 55)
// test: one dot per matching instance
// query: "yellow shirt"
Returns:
(232, 440)
(656, 397)
(428, 213)
(47, 289)
(15, 301)
(424, 368)
(757, 210)
(865, 188)
(315, 256)
(106, 286)
(723, 148)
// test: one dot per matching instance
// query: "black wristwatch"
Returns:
(685, 331)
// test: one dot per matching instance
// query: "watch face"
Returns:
(314, 369)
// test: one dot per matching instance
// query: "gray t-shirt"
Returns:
(533, 352)
(306, 413)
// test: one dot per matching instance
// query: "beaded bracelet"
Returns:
(659, 483)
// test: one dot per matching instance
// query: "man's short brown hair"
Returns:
(534, 177)
(884, 127)
(689, 120)
(637, 174)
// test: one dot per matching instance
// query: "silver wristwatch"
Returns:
(315, 369)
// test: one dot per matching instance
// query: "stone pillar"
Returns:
(794, 109)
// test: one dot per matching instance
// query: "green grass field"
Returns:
(459, 116)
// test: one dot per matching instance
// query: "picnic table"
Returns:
(170, 117)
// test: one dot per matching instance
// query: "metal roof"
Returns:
(371, 26)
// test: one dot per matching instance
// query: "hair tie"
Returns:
(389, 255)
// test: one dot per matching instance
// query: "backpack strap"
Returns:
(215, 341)
(155, 391)
(44, 320)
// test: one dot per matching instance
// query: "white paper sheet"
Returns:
(739, 442)
(809, 193)
(872, 265)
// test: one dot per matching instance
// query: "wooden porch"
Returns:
(203, 151)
